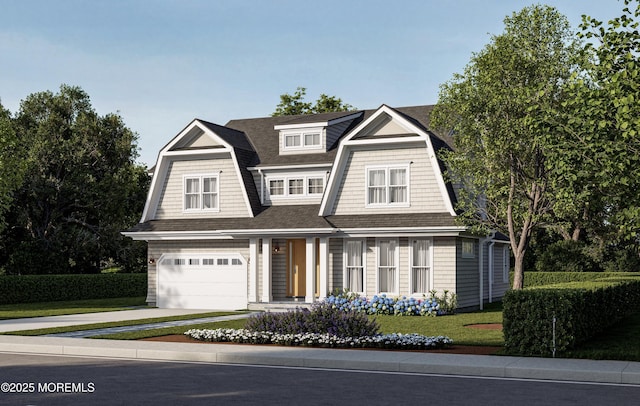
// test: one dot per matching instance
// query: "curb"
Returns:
(614, 372)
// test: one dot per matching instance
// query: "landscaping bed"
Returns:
(454, 349)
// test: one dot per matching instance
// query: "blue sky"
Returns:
(160, 64)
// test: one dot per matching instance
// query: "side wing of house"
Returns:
(387, 196)
(199, 183)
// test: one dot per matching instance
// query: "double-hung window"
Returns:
(388, 186)
(354, 265)
(420, 265)
(201, 192)
(388, 266)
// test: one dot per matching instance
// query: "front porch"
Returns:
(285, 273)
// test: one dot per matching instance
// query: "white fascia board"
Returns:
(223, 234)
(175, 235)
(289, 167)
(389, 140)
(318, 123)
(331, 189)
(404, 231)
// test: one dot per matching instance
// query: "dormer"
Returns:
(313, 134)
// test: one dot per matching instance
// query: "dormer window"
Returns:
(302, 140)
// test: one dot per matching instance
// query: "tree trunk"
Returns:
(518, 271)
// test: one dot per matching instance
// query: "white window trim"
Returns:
(430, 265)
(200, 178)
(464, 254)
(301, 134)
(397, 266)
(387, 168)
(305, 193)
(364, 263)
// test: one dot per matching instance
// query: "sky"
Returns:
(161, 63)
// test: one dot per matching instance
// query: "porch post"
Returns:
(253, 270)
(266, 270)
(311, 270)
(324, 267)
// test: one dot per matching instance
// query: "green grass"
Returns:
(136, 335)
(22, 310)
(453, 326)
(621, 342)
(94, 326)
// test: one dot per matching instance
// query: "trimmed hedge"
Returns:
(532, 279)
(52, 288)
(581, 309)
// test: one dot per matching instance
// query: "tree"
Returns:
(499, 161)
(293, 104)
(596, 152)
(81, 186)
(11, 163)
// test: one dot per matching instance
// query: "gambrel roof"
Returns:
(254, 144)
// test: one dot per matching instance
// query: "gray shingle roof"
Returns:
(299, 217)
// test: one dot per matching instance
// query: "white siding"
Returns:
(232, 202)
(444, 264)
(425, 194)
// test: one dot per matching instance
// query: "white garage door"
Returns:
(202, 281)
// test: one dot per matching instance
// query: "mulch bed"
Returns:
(455, 349)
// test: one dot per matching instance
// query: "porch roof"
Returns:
(296, 218)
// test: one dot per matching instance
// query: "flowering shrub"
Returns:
(322, 318)
(386, 341)
(383, 304)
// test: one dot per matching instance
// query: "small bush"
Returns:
(323, 318)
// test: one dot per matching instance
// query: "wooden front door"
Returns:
(296, 267)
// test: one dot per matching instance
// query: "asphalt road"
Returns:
(58, 380)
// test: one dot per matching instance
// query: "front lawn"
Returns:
(23, 310)
(455, 327)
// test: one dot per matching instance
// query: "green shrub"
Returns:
(51, 288)
(323, 318)
(566, 256)
(532, 279)
(581, 310)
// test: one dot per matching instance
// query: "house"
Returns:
(267, 211)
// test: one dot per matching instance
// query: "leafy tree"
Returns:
(81, 186)
(293, 104)
(596, 152)
(499, 160)
(11, 163)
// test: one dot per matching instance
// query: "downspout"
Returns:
(481, 268)
(491, 275)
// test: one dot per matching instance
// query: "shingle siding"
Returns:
(425, 194)
(231, 198)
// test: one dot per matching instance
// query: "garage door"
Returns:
(202, 281)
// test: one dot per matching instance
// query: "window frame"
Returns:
(387, 186)
(506, 263)
(464, 253)
(429, 266)
(302, 139)
(286, 179)
(200, 194)
(396, 259)
(345, 276)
